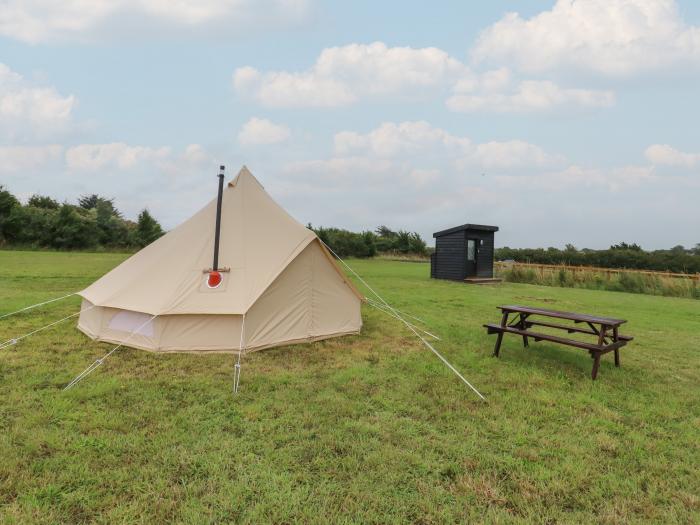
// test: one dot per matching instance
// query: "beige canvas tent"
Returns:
(279, 284)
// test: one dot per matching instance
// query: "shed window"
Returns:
(471, 250)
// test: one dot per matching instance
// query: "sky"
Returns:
(561, 121)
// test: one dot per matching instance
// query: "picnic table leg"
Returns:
(601, 335)
(523, 317)
(499, 337)
(596, 354)
(596, 364)
(597, 332)
(617, 350)
(497, 348)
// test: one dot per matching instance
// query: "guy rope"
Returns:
(15, 340)
(397, 315)
(92, 367)
(37, 305)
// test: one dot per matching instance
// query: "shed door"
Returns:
(472, 245)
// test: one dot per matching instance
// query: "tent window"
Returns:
(132, 322)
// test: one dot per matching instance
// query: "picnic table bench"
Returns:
(606, 329)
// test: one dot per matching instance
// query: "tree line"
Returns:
(370, 243)
(93, 223)
(623, 255)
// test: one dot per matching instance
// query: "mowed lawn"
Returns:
(361, 429)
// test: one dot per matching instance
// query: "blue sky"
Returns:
(560, 121)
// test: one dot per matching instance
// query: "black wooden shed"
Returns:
(463, 252)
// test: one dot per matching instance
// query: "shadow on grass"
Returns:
(548, 357)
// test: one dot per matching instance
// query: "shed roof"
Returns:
(480, 227)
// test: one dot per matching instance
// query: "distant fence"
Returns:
(403, 257)
(501, 266)
(614, 279)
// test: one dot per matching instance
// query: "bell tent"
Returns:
(277, 283)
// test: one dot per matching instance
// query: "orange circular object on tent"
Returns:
(214, 279)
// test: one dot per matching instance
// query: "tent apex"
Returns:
(244, 173)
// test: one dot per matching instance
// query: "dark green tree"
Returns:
(41, 201)
(348, 244)
(112, 228)
(624, 246)
(94, 222)
(33, 225)
(88, 202)
(94, 201)
(73, 228)
(147, 229)
(385, 231)
(8, 202)
(677, 259)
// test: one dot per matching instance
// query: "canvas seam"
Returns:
(293, 255)
(311, 295)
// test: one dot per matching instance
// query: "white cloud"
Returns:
(262, 131)
(665, 155)
(26, 108)
(114, 155)
(372, 191)
(339, 173)
(279, 89)
(195, 153)
(422, 177)
(421, 190)
(614, 37)
(530, 95)
(391, 139)
(345, 75)
(409, 175)
(172, 183)
(576, 178)
(341, 75)
(36, 21)
(26, 159)
(420, 141)
(513, 154)
(179, 167)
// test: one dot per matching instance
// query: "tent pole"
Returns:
(215, 265)
(237, 366)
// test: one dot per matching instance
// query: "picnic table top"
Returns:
(573, 316)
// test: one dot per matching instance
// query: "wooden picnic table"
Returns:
(606, 330)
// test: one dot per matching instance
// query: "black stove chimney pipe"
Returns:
(215, 266)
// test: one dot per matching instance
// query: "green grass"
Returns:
(361, 429)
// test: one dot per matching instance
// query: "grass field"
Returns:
(361, 429)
